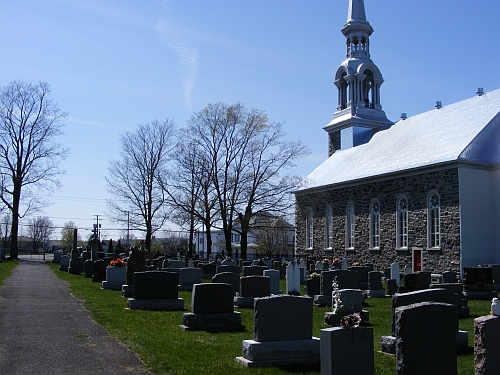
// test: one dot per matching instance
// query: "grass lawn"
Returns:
(166, 349)
(6, 269)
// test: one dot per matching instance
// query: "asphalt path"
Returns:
(45, 330)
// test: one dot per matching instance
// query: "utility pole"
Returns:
(97, 227)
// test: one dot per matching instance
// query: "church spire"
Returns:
(359, 112)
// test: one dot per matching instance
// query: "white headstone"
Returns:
(293, 278)
(395, 272)
(345, 265)
(319, 265)
(302, 264)
(495, 307)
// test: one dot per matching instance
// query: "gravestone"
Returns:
(457, 289)
(347, 350)
(395, 273)
(449, 277)
(313, 286)
(228, 268)
(487, 345)
(135, 263)
(99, 274)
(407, 270)
(174, 263)
(392, 287)
(227, 262)
(212, 310)
(228, 278)
(274, 277)
(277, 265)
(479, 283)
(351, 301)
(209, 270)
(375, 287)
(363, 275)
(428, 295)
(56, 259)
(63, 266)
(189, 277)
(416, 281)
(284, 341)
(319, 266)
(345, 265)
(293, 278)
(254, 270)
(116, 277)
(157, 291)
(345, 280)
(252, 287)
(387, 272)
(426, 339)
(88, 268)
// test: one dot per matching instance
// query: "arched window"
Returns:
(433, 220)
(402, 222)
(375, 224)
(328, 227)
(349, 243)
(309, 229)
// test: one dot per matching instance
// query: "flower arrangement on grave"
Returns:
(336, 302)
(315, 274)
(325, 261)
(355, 264)
(119, 262)
(228, 259)
(349, 321)
(336, 262)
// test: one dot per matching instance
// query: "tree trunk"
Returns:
(208, 233)
(16, 197)
(191, 237)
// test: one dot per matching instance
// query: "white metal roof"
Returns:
(466, 130)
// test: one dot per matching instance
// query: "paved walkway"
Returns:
(45, 330)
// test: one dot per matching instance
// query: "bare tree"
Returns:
(30, 123)
(5, 231)
(136, 179)
(191, 191)
(39, 231)
(264, 190)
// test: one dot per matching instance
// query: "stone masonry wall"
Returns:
(416, 188)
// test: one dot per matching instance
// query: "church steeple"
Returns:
(359, 112)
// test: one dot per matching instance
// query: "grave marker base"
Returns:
(222, 322)
(156, 304)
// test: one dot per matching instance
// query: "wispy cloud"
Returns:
(94, 123)
(176, 40)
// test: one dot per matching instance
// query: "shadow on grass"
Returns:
(301, 369)
(465, 351)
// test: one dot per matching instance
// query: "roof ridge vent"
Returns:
(404, 116)
(479, 91)
(438, 105)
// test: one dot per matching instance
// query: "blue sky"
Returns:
(114, 64)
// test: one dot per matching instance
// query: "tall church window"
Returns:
(433, 219)
(309, 229)
(402, 222)
(328, 227)
(349, 243)
(375, 224)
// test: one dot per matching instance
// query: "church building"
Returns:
(424, 191)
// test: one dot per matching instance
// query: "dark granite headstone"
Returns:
(426, 336)
(363, 275)
(135, 263)
(88, 268)
(289, 326)
(387, 272)
(209, 270)
(255, 286)
(228, 278)
(254, 270)
(313, 286)
(427, 295)
(392, 287)
(449, 277)
(375, 280)
(224, 268)
(345, 280)
(155, 285)
(416, 281)
(478, 279)
(99, 274)
(212, 298)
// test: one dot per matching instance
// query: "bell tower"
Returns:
(359, 113)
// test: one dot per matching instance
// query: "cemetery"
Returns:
(288, 328)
